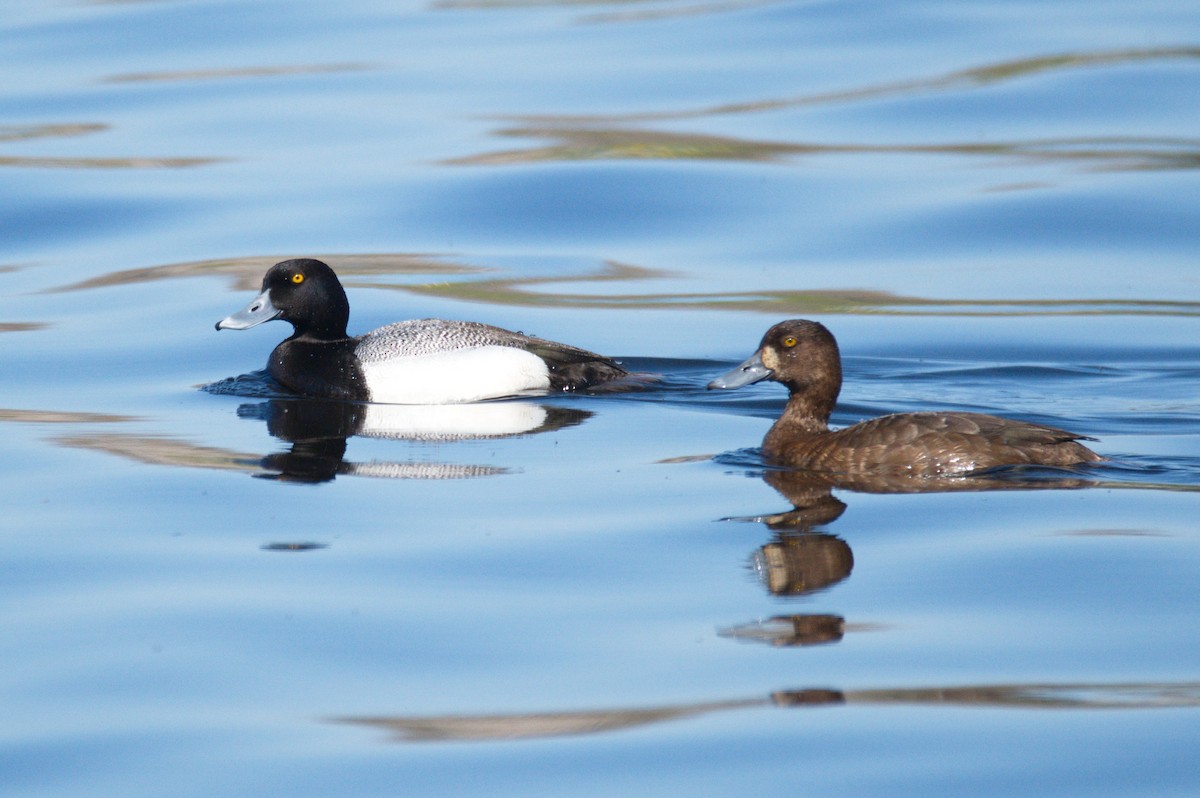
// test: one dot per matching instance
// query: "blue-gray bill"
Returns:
(752, 371)
(258, 311)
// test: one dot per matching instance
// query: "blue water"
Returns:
(228, 592)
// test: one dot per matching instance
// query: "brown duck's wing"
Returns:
(993, 441)
(1008, 430)
(939, 443)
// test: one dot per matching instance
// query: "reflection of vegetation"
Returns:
(524, 291)
(522, 727)
(1133, 695)
(659, 12)
(21, 326)
(1114, 533)
(974, 77)
(232, 72)
(582, 144)
(535, 3)
(158, 450)
(628, 10)
(247, 272)
(579, 144)
(1023, 67)
(26, 132)
(516, 291)
(59, 417)
(592, 137)
(106, 163)
(1182, 695)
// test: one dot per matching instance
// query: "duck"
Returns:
(803, 356)
(416, 362)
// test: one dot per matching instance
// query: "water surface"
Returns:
(233, 591)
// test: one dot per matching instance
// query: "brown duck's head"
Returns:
(801, 354)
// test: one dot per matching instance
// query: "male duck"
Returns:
(424, 361)
(803, 355)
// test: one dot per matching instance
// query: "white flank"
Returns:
(461, 375)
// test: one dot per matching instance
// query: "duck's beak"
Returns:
(254, 314)
(748, 373)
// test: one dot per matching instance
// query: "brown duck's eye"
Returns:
(790, 341)
(297, 278)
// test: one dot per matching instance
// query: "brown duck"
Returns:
(803, 355)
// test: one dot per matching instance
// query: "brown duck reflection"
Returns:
(791, 630)
(801, 560)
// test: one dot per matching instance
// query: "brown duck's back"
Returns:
(926, 444)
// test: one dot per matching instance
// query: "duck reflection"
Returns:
(791, 630)
(318, 431)
(317, 434)
(801, 559)
(795, 565)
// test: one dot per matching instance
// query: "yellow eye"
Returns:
(297, 278)
(790, 341)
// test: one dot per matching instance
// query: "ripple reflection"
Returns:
(1018, 696)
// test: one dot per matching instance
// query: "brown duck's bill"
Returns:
(258, 311)
(748, 373)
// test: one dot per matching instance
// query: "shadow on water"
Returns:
(1060, 697)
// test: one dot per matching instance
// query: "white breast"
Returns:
(461, 375)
